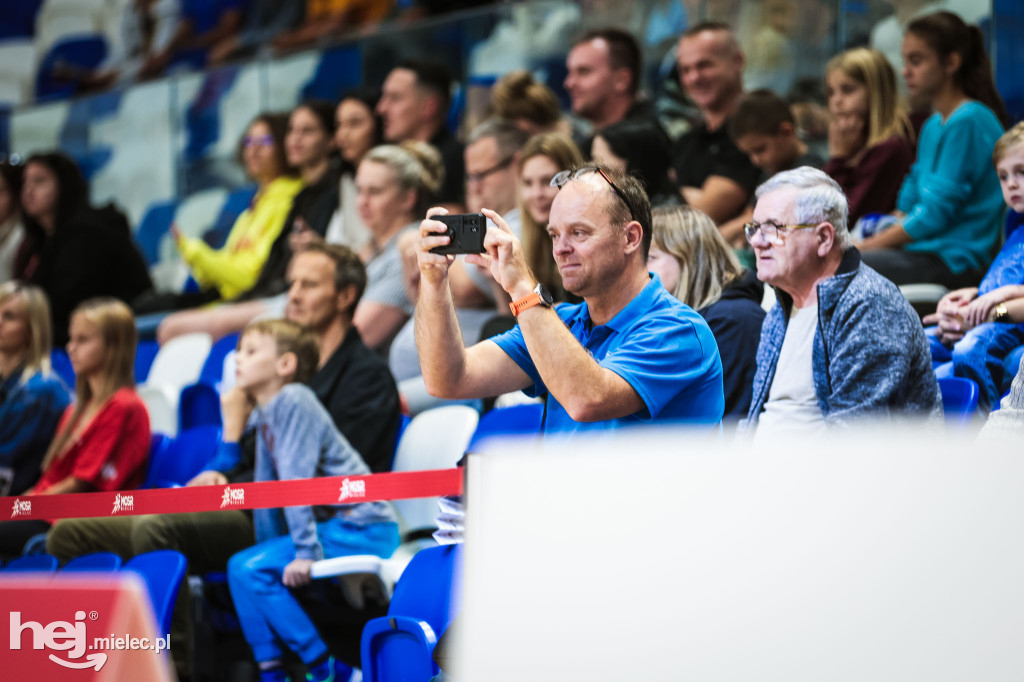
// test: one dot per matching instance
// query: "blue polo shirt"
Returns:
(661, 346)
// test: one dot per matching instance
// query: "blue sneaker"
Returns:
(274, 675)
(331, 670)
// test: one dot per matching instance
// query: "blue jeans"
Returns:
(270, 616)
(979, 356)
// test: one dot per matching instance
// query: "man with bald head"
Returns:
(715, 176)
(629, 354)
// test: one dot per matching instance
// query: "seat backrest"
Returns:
(213, 368)
(959, 399)
(184, 457)
(81, 51)
(516, 420)
(162, 570)
(161, 407)
(152, 228)
(179, 362)
(96, 562)
(145, 353)
(38, 563)
(62, 366)
(199, 405)
(435, 439)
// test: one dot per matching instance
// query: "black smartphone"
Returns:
(466, 231)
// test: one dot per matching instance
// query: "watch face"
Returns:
(545, 295)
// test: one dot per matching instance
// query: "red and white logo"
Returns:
(232, 496)
(352, 489)
(21, 508)
(123, 503)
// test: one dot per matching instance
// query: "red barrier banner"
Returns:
(263, 495)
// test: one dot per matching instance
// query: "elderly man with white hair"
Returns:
(841, 343)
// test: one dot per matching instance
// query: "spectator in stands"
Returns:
(715, 176)
(629, 354)
(102, 440)
(394, 184)
(764, 129)
(32, 396)
(332, 18)
(148, 32)
(869, 135)
(841, 344)
(234, 268)
(74, 252)
(358, 130)
(413, 104)
(603, 80)
(519, 97)
(697, 267)
(12, 228)
(274, 356)
(949, 209)
(264, 20)
(641, 148)
(542, 158)
(205, 24)
(979, 326)
(492, 162)
(309, 145)
(352, 382)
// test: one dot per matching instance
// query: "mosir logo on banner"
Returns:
(21, 508)
(351, 489)
(123, 503)
(71, 637)
(232, 496)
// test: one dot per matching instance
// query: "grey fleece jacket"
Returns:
(296, 438)
(870, 356)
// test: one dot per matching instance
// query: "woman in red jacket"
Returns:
(102, 441)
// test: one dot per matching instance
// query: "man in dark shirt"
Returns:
(715, 176)
(352, 382)
(603, 81)
(413, 105)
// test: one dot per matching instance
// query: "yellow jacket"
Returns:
(234, 268)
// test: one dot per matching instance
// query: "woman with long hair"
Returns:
(950, 208)
(358, 130)
(102, 441)
(542, 157)
(32, 396)
(74, 252)
(234, 268)
(12, 228)
(869, 136)
(696, 266)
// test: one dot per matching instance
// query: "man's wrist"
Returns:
(522, 289)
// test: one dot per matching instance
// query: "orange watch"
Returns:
(539, 296)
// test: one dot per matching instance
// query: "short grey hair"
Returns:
(509, 137)
(819, 199)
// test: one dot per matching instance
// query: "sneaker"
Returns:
(331, 670)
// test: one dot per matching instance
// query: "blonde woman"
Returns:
(696, 266)
(870, 139)
(102, 440)
(542, 157)
(32, 396)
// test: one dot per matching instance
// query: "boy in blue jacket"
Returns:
(296, 439)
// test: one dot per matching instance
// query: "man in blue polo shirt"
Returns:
(629, 354)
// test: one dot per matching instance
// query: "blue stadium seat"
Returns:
(237, 201)
(152, 228)
(83, 52)
(516, 420)
(198, 405)
(959, 399)
(162, 570)
(96, 562)
(18, 19)
(145, 352)
(399, 646)
(62, 366)
(35, 563)
(339, 69)
(182, 458)
(213, 368)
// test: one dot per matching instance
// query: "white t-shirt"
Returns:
(792, 406)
